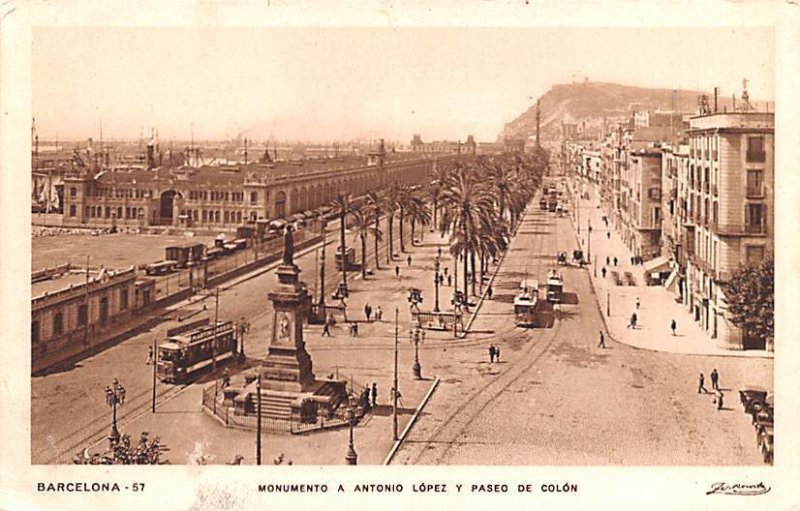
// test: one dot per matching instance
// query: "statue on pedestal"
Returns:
(288, 245)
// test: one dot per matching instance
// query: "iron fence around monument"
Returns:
(295, 425)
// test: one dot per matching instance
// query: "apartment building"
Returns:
(727, 207)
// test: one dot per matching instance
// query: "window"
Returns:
(108, 211)
(83, 314)
(253, 197)
(755, 149)
(123, 299)
(755, 219)
(754, 254)
(755, 182)
(35, 335)
(73, 192)
(58, 324)
(72, 210)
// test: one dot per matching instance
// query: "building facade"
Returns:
(75, 311)
(729, 212)
(224, 197)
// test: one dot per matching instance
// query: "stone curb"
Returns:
(408, 427)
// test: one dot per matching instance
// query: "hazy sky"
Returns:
(346, 83)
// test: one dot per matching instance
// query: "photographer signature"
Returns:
(738, 489)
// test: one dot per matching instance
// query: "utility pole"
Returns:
(155, 364)
(258, 420)
(86, 300)
(396, 390)
(214, 349)
(322, 270)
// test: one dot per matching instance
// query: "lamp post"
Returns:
(242, 327)
(351, 457)
(258, 413)
(417, 336)
(608, 303)
(415, 298)
(115, 396)
(589, 240)
(322, 271)
(436, 282)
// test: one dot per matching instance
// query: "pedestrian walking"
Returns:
(633, 260)
(326, 328)
(367, 311)
(714, 379)
(615, 261)
(638, 302)
(489, 292)
(718, 400)
(701, 385)
(226, 378)
(602, 343)
(673, 326)
(496, 354)
(374, 394)
(632, 323)
(608, 261)
(608, 235)
(409, 260)
(449, 280)
(378, 313)
(445, 271)
(149, 355)
(491, 353)
(397, 270)
(365, 397)
(603, 271)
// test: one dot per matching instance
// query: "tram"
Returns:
(555, 286)
(183, 355)
(525, 303)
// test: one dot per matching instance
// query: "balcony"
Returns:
(755, 192)
(741, 229)
(714, 155)
(706, 187)
(756, 156)
(714, 190)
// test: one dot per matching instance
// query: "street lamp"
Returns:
(436, 282)
(608, 303)
(322, 271)
(115, 396)
(242, 327)
(415, 298)
(589, 240)
(417, 336)
(351, 457)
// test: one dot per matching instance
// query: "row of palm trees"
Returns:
(477, 204)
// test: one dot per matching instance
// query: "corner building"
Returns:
(729, 220)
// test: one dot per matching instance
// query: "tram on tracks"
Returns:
(184, 355)
(525, 303)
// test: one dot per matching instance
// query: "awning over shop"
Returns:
(658, 264)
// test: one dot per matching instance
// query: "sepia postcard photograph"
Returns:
(497, 256)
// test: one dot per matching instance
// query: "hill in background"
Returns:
(590, 102)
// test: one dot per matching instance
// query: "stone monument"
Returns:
(288, 365)
(289, 391)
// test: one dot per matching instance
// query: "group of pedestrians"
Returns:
(370, 392)
(494, 353)
(368, 312)
(701, 387)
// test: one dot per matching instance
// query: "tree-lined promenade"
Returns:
(476, 205)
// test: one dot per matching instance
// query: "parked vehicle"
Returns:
(555, 286)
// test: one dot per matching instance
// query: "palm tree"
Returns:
(344, 206)
(390, 206)
(374, 201)
(361, 224)
(467, 209)
(418, 212)
(403, 197)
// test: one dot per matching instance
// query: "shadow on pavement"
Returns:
(569, 298)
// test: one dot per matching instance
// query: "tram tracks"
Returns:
(445, 437)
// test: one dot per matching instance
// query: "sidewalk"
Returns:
(657, 306)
